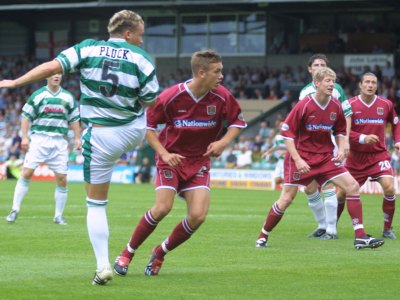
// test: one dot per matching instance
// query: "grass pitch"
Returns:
(41, 260)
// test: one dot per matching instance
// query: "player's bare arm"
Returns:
(340, 154)
(40, 72)
(346, 146)
(215, 148)
(77, 131)
(172, 159)
(25, 124)
(301, 165)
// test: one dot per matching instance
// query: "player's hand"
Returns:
(397, 146)
(266, 156)
(78, 144)
(215, 149)
(6, 83)
(371, 139)
(25, 144)
(302, 166)
(339, 157)
(172, 159)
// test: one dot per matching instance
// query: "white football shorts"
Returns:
(102, 146)
(51, 150)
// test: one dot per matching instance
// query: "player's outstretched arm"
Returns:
(40, 72)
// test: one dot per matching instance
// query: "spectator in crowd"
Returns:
(15, 148)
(14, 167)
(143, 175)
(244, 158)
(256, 154)
(264, 129)
(388, 71)
(231, 159)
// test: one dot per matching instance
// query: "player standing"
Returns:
(307, 133)
(48, 113)
(325, 213)
(118, 80)
(369, 155)
(193, 113)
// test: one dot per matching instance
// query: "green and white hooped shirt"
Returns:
(51, 113)
(115, 76)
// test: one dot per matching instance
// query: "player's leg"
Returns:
(102, 147)
(198, 203)
(57, 160)
(331, 205)
(388, 205)
(317, 207)
(341, 197)
(145, 227)
(21, 188)
(60, 197)
(276, 213)
(354, 206)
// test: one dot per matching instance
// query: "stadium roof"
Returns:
(61, 4)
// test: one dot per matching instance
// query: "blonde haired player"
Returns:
(118, 80)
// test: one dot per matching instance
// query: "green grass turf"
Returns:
(41, 260)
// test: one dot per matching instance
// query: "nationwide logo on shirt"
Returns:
(369, 121)
(316, 127)
(195, 123)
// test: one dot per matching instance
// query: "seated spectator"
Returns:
(272, 95)
(256, 154)
(286, 95)
(231, 159)
(244, 158)
(264, 129)
(14, 167)
(143, 175)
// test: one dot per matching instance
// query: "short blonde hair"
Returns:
(123, 20)
(202, 59)
(321, 73)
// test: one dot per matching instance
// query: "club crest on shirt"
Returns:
(380, 110)
(211, 110)
(200, 172)
(333, 116)
(296, 176)
(168, 174)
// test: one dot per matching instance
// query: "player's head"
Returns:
(54, 80)
(322, 73)
(324, 79)
(368, 84)
(128, 25)
(317, 61)
(207, 65)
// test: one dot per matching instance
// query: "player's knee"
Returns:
(352, 187)
(284, 201)
(310, 189)
(196, 219)
(389, 190)
(159, 211)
